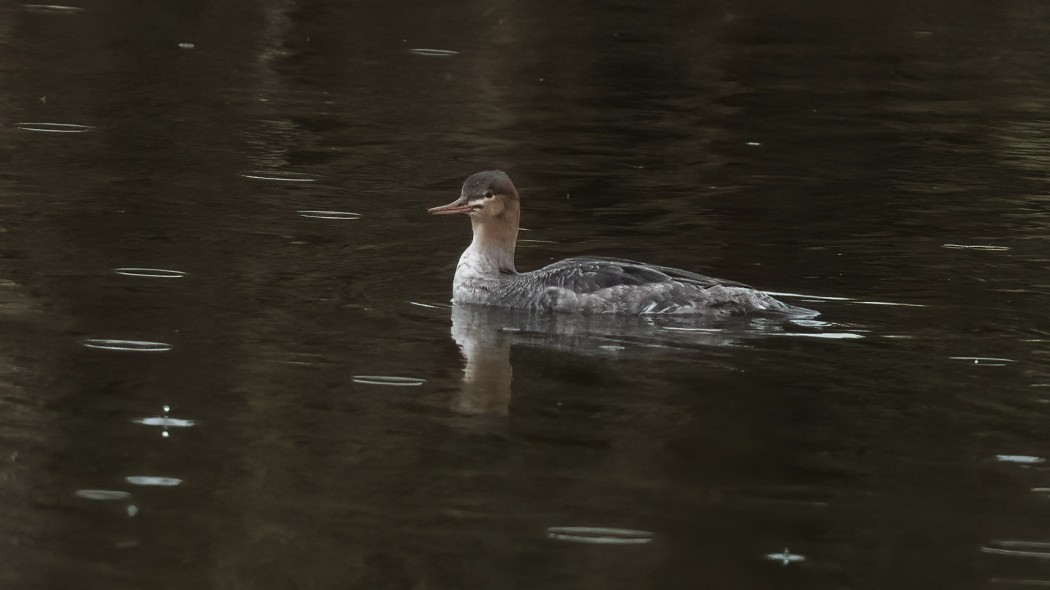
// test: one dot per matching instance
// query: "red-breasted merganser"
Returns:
(486, 275)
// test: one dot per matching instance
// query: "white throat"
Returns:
(489, 256)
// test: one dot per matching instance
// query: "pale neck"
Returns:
(492, 249)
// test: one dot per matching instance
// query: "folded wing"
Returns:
(610, 285)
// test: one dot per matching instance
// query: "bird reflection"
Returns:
(487, 374)
(485, 335)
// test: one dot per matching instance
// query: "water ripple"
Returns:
(814, 297)
(889, 303)
(430, 305)
(1020, 459)
(165, 421)
(152, 273)
(388, 380)
(433, 52)
(281, 176)
(599, 535)
(54, 127)
(684, 329)
(986, 361)
(330, 214)
(127, 345)
(819, 298)
(982, 247)
(1037, 549)
(106, 495)
(149, 480)
(55, 8)
(826, 335)
(812, 323)
(1021, 582)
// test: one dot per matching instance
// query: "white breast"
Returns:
(473, 278)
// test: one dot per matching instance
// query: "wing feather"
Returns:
(589, 274)
(611, 285)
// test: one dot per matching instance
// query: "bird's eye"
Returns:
(489, 194)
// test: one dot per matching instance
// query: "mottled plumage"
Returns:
(486, 275)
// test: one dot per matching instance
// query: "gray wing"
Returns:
(590, 274)
(610, 285)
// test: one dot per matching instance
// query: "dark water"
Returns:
(882, 153)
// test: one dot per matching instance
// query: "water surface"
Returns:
(243, 187)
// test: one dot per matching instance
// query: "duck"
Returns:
(486, 273)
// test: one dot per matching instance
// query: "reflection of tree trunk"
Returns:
(487, 375)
